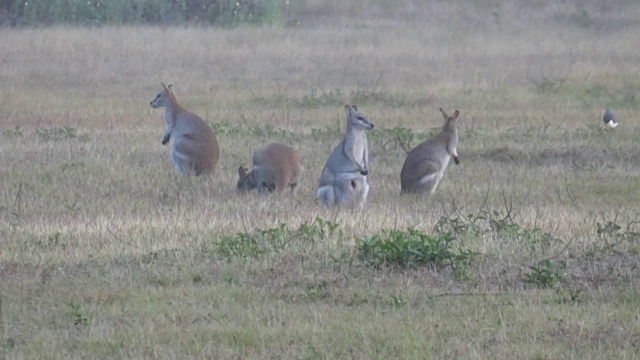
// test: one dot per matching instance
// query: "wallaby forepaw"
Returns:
(165, 140)
(364, 172)
(456, 160)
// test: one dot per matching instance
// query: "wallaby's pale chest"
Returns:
(355, 144)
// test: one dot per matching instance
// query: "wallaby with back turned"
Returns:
(344, 177)
(425, 165)
(194, 149)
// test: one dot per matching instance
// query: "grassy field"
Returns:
(528, 250)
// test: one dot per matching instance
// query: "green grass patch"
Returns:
(412, 248)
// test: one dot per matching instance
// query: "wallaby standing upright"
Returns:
(344, 177)
(275, 167)
(425, 165)
(195, 148)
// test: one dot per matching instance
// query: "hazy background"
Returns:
(106, 252)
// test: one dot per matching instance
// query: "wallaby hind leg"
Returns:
(432, 184)
(364, 193)
(326, 195)
(351, 190)
(344, 191)
(293, 187)
(360, 190)
(281, 186)
(430, 176)
(180, 162)
(183, 160)
(198, 169)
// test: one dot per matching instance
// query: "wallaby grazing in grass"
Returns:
(344, 177)
(195, 148)
(425, 165)
(275, 167)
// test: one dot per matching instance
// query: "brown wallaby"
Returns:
(425, 165)
(195, 149)
(275, 167)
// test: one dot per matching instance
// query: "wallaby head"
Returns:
(248, 180)
(450, 122)
(245, 180)
(164, 97)
(356, 120)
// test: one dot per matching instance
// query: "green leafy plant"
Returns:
(328, 132)
(399, 301)
(458, 225)
(357, 299)
(79, 315)
(487, 221)
(545, 274)
(57, 133)
(546, 85)
(52, 242)
(362, 95)
(611, 234)
(572, 296)
(16, 131)
(315, 292)
(228, 129)
(412, 248)
(240, 245)
(392, 138)
(261, 241)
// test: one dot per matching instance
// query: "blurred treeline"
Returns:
(98, 12)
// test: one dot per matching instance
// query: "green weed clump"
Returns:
(392, 138)
(225, 128)
(495, 223)
(57, 133)
(263, 241)
(611, 235)
(14, 132)
(79, 315)
(547, 273)
(412, 248)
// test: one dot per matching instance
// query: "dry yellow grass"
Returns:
(92, 212)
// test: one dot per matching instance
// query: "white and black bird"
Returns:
(609, 119)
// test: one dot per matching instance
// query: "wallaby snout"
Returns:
(426, 164)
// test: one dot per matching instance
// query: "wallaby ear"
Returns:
(170, 88)
(456, 114)
(444, 114)
(347, 109)
(164, 86)
(354, 107)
